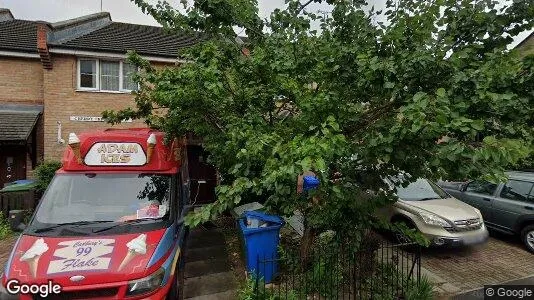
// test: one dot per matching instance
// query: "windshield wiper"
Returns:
(50, 228)
(429, 198)
(124, 223)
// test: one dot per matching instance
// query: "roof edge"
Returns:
(30, 108)
(81, 51)
(74, 28)
(79, 20)
(6, 15)
(531, 35)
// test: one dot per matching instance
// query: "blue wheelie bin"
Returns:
(261, 235)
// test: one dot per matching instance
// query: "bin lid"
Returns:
(19, 187)
(310, 183)
(247, 231)
(238, 211)
(264, 217)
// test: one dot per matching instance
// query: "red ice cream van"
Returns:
(109, 226)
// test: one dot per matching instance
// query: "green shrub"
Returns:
(248, 292)
(421, 291)
(45, 172)
(5, 229)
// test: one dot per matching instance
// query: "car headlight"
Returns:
(147, 284)
(478, 213)
(432, 219)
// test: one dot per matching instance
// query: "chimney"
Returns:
(42, 45)
(5, 15)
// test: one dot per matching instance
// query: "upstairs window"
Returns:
(128, 71)
(109, 75)
(106, 75)
(88, 74)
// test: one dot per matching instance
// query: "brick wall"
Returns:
(21, 81)
(62, 100)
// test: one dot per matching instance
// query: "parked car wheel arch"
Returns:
(399, 218)
(523, 222)
(527, 236)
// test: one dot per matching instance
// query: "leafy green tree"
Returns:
(432, 91)
(44, 173)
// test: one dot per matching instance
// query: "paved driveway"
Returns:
(6, 245)
(502, 259)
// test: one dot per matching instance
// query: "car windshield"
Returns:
(420, 190)
(99, 198)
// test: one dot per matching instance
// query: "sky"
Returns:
(128, 12)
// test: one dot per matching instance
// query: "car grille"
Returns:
(465, 225)
(84, 294)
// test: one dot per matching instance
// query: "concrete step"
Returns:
(206, 267)
(205, 253)
(228, 295)
(209, 284)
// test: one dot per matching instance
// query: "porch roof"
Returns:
(17, 121)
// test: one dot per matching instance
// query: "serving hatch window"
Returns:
(105, 197)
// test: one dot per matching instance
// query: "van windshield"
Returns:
(420, 190)
(99, 198)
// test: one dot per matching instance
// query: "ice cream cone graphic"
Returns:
(33, 263)
(151, 144)
(32, 255)
(74, 144)
(136, 247)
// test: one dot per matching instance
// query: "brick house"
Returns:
(57, 78)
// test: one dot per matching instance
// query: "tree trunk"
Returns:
(306, 244)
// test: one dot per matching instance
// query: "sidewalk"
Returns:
(6, 246)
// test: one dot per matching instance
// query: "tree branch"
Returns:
(303, 6)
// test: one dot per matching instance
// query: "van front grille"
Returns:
(84, 294)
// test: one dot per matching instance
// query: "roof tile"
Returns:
(122, 37)
(18, 35)
(17, 125)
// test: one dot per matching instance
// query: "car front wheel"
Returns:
(527, 235)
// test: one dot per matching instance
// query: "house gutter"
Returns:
(98, 54)
(19, 54)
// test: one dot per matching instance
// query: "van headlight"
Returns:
(145, 285)
(432, 219)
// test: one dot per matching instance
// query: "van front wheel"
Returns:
(527, 235)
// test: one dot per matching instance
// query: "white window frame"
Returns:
(121, 78)
(98, 88)
(97, 74)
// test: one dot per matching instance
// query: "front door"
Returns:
(12, 164)
(202, 175)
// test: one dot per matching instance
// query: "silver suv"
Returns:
(506, 207)
(445, 221)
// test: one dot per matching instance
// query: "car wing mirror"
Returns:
(463, 186)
